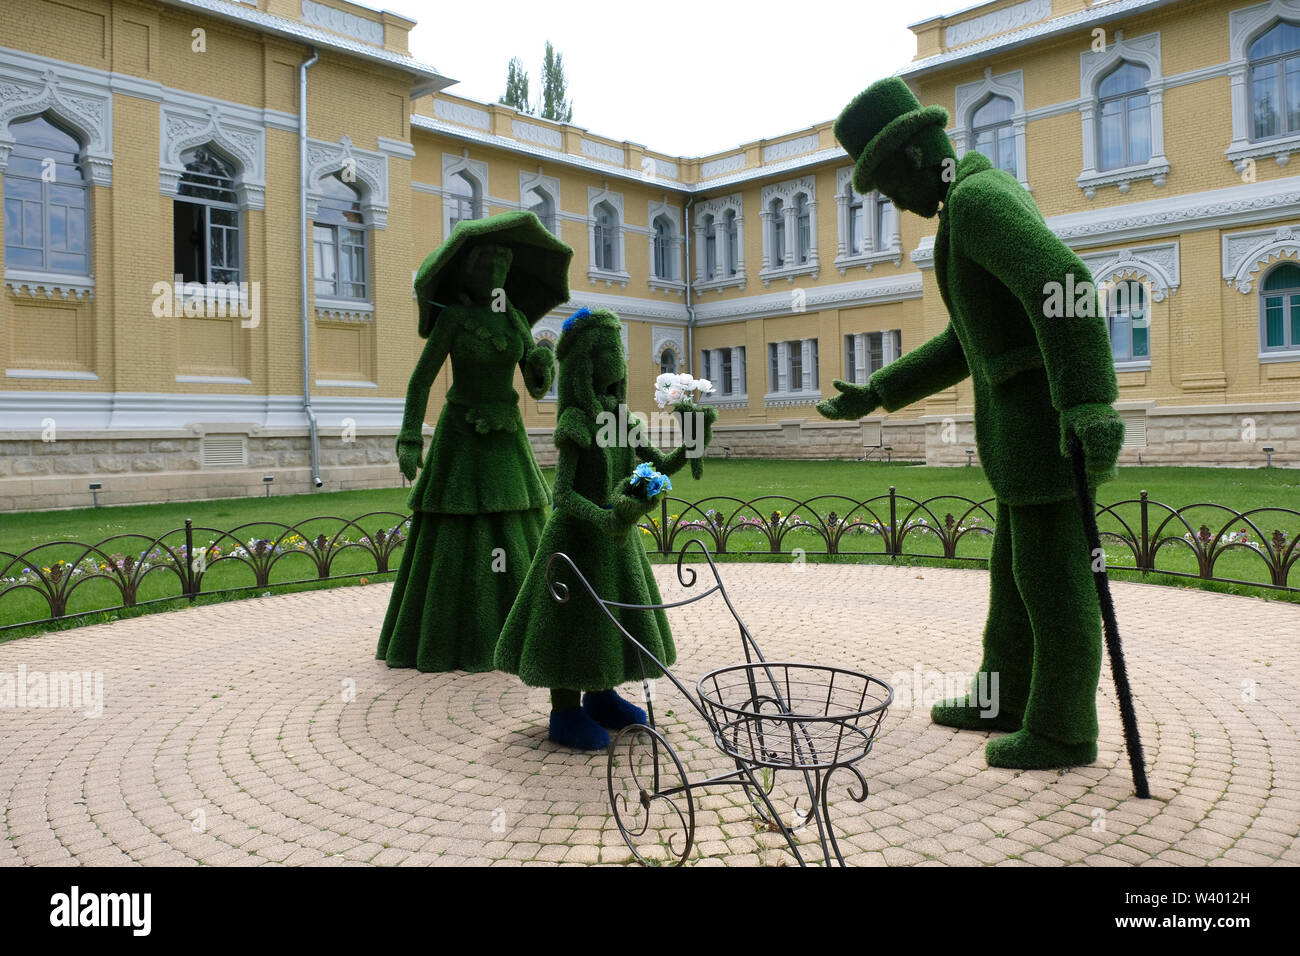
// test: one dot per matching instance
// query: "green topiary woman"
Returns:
(480, 503)
(1037, 379)
(572, 647)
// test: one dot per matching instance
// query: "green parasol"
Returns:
(539, 272)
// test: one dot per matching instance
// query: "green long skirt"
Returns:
(574, 646)
(457, 582)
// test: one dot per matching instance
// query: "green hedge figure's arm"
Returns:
(931, 367)
(410, 440)
(538, 363)
(671, 462)
(572, 434)
(1026, 257)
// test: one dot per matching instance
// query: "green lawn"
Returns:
(1238, 489)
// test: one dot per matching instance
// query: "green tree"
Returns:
(516, 94)
(554, 105)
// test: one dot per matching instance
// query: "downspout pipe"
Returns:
(690, 309)
(302, 260)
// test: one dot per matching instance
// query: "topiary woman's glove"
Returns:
(539, 369)
(1101, 432)
(854, 401)
(409, 450)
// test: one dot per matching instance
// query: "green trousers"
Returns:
(1043, 634)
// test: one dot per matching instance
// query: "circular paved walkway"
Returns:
(263, 731)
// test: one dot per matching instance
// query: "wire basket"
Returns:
(794, 716)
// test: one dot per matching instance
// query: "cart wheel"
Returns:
(647, 787)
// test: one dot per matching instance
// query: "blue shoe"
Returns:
(607, 708)
(574, 729)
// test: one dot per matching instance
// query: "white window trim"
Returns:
(344, 310)
(677, 243)
(1247, 255)
(890, 351)
(85, 106)
(369, 172)
(970, 96)
(786, 192)
(547, 184)
(718, 208)
(739, 397)
(185, 124)
(609, 276)
(1244, 27)
(784, 397)
(893, 251)
(1093, 66)
(477, 169)
(46, 285)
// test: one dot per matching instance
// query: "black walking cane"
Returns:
(1113, 647)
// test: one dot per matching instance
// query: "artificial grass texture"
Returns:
(1038, 377)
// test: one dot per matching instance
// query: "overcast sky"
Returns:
(686, 78)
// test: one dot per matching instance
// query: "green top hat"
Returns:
(879, 121)
(539, 271)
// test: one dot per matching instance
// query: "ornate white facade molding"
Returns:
(477, 170)
(1245, 254)
(345, 311)
(971, 96)
(49, 285)
(1245, 24)
(844, 295)
(671, 212)
(549, 186)
(1156, 266)
(668, 338)
(186, 122)
(791, 147)
(718, 208)
(533, 133)
(789, 267)
(340, 21)
(619, 274)
(464, 115)
(360, 168)
(722, 165)
(86, 107)
(999, 21)
(923, 255)
(1093, 67)
(603, 151)
(886, 248)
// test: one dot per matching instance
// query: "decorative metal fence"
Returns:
(71, 579)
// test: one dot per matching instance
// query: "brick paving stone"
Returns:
(216, 709)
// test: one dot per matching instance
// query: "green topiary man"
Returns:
(1037, 379)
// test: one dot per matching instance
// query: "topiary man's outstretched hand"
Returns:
(1101, 432)
(854, 401)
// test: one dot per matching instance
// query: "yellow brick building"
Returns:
(159, 239)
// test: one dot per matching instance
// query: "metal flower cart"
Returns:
(768, 717)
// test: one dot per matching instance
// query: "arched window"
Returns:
(1275, 81)
(1125, 117)
(540, 204)
(663, 247)
(339, 242)
(710, 248)
(45, 197)
(606, 237)
(1279, 309)
(857, 220)
(668, 361)
(803, 222)
(777, 245)
(464, 197)
(205, 219)
(993, 133)
(1128, 321)
(733, 241)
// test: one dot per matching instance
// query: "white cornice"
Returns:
(842, 295)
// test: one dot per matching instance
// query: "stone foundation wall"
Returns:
(152, 466)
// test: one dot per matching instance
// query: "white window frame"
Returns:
(1093, 68)
(676, 244)
(548, 186)
(476, 170)
(718, 209)
(1245, 26)
(1277, 352)
(890, 349)
(732, 392)
(971, 96)
(619, 275)
(876, 248)
(780, 392)
(790, 267)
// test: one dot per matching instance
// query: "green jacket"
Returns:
(994, 259)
